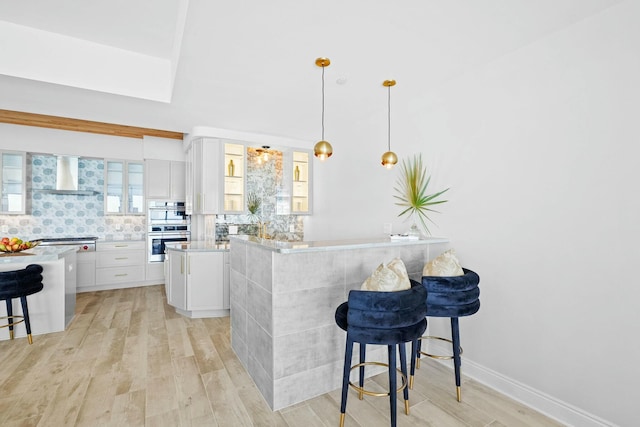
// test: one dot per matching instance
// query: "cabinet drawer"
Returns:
(120, 246)
(107, 276)
(120, 258)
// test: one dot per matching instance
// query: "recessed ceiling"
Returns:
(120, 47)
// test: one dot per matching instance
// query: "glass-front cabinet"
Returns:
(124, 187)
(234, 178)
(13, 191)
(218, 170)
(301, 188)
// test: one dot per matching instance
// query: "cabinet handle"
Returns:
(181, 264)
(188, 265)
(123, 257)
(120, 246)
(121, 275)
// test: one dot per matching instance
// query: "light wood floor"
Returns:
(128, 359)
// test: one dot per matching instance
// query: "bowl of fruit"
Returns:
(15, 244)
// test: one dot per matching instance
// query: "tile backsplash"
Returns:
(55, 215)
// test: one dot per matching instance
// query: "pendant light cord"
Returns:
(323, 103)
(389, 117)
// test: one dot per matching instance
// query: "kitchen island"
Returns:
(283, 300)
(197, 278)
(53, 308)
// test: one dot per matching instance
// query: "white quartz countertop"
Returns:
(332, 245)
(198, 246)
(36, 255)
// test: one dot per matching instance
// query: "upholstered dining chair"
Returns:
(382, 318)
(20, 284)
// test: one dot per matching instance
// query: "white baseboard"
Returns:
(535, 399)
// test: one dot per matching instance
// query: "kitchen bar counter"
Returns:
(283, 300)
(53, 308)
(332, 245)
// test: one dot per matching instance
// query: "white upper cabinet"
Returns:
(301, 183)
(165, 180)
(124, 187)
(218, 170)
(234, 178)
(13, 191)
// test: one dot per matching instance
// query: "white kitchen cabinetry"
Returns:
(301, 185)
(124, 187)
(86, 268)
(164, 180)
(120, 263)
(189, 180)
(218, 170)
(198, 283)
(13, 182)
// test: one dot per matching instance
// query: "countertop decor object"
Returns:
(411, 189)
(15, 244)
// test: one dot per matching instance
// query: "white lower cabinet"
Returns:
(119, 263)
(197, 283)
(86, 270)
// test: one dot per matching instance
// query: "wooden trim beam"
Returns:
(77, 125)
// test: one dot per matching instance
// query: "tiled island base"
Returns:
(283, 301)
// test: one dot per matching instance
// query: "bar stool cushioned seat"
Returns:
(382, 318)
(19, 284)
(453, 297)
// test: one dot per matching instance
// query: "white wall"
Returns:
(540, 151)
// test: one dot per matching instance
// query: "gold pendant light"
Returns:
(389, 158)
(323, 150)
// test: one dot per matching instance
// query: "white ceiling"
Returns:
(249, 65)
(143, 26)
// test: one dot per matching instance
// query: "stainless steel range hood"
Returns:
(67, 178)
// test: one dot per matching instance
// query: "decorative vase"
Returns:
(296, 174)
(231, 168)
(414, 231)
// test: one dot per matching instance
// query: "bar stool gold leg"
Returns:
(406, 407)
(411, 382)
(10, 335)
(30, 339)
(459, 393)
(341, 420)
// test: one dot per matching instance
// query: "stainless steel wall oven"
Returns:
(167, 223)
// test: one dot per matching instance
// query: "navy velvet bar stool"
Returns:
(453, 297)
(382, 318)
(19, 284)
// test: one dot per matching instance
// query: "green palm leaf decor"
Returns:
(412, 197)
(253, 205)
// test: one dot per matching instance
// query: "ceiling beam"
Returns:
(77, 125)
